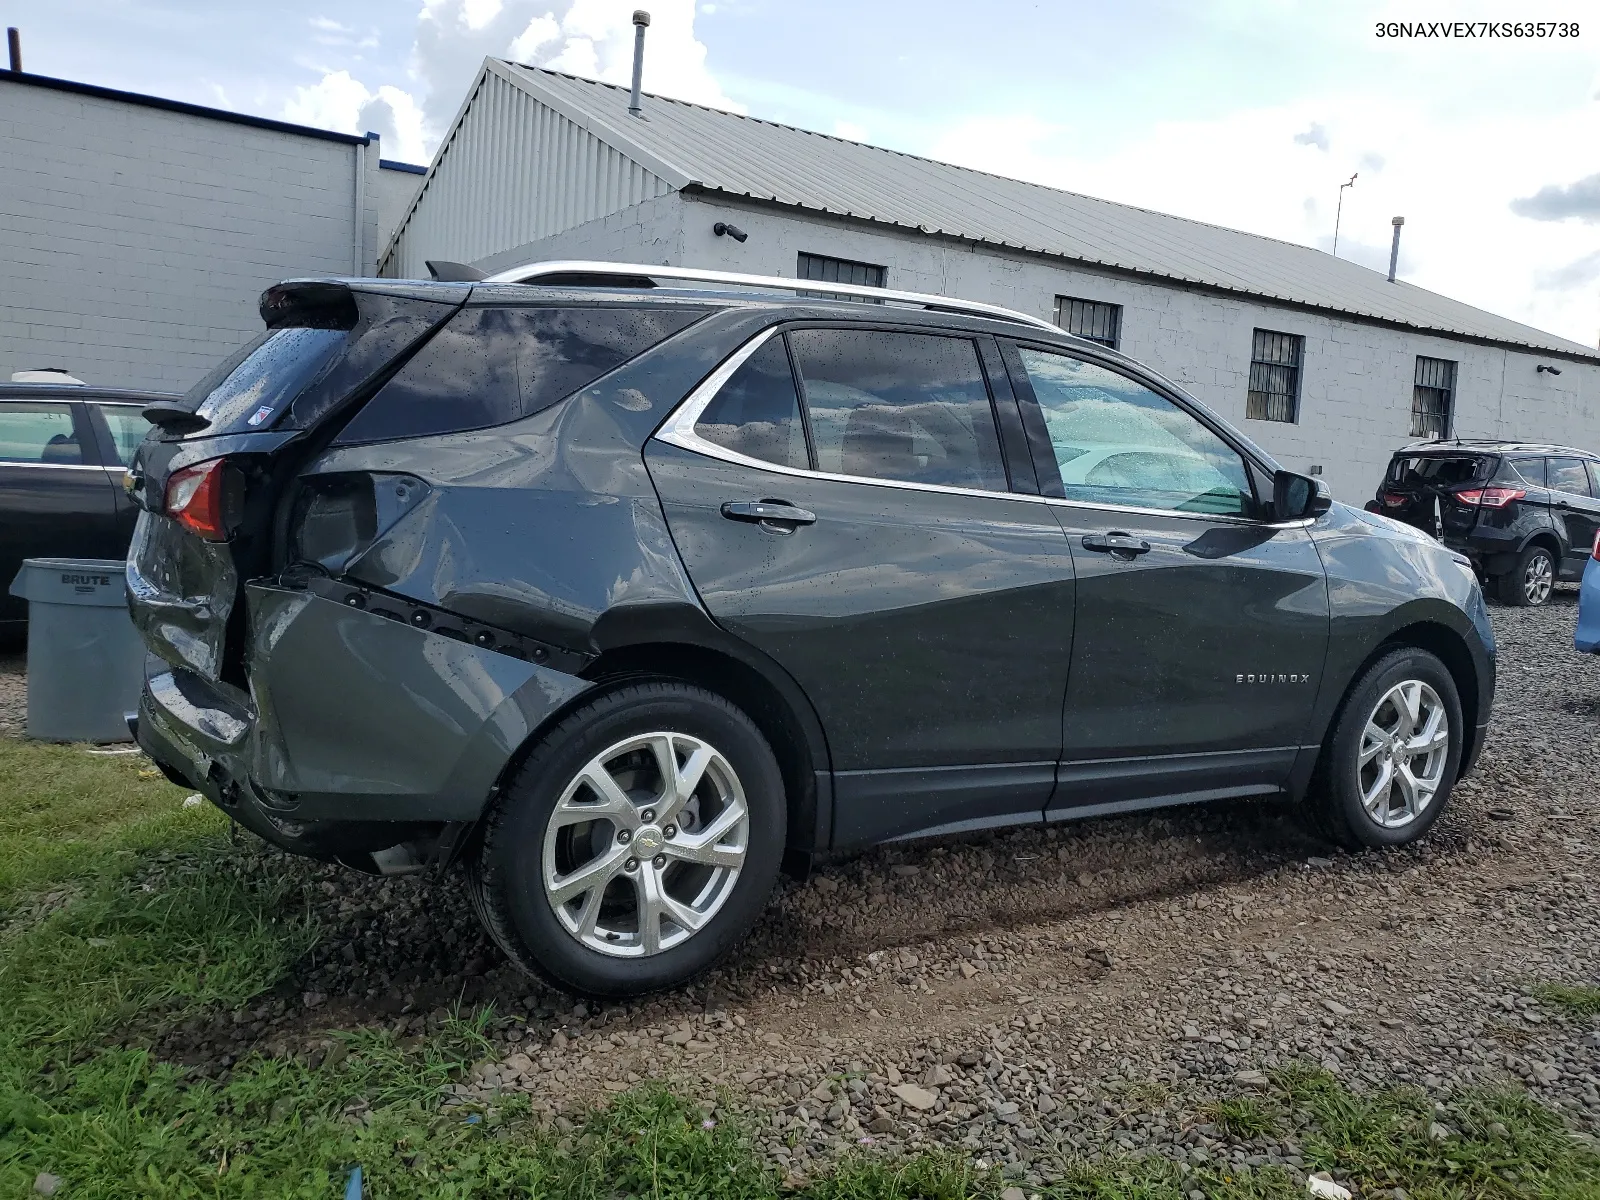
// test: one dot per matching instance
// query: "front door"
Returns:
(860, 531)
(1201, 628)
(56, 501)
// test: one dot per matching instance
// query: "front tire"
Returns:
(1391, 761)
(637, 844)
(1530, 582)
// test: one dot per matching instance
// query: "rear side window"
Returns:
(757, 412)
(1531, 470)
(902, 406)
(128, 427)
(1568, 475)
(38, 432)
(489, 366)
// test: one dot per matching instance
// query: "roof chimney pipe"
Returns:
(641, 21)
(1394, 247)
(14, 45)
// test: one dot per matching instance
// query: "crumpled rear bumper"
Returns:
(352, 718)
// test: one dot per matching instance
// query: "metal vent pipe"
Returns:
(641, 21)
(1394, 247)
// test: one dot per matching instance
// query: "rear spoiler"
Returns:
(454, 272)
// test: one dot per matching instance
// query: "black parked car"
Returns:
(624, 596)
(63, 452)
(1525, 514)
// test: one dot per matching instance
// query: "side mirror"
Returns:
(1298, 497)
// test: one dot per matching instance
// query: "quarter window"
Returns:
(902, 406)
(1117, 442)
(38, 432)
(1090, 319)
(1431, 397)
(1568, 475)
(1275, 376)
(757, 412)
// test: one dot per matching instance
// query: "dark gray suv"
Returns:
(626, 587)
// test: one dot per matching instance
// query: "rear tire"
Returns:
(1390, 762)
(1530, 582)
(603, 877)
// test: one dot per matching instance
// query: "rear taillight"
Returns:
(196, 499)
(1491, 497)
(1595, 553)
(1390, 500)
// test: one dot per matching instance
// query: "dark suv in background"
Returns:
(1525, 514)
(625, 595)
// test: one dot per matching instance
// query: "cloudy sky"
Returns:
(1248, 113)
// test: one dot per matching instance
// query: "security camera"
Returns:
(1543, 367)
(733, 231)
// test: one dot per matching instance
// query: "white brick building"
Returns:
(539, 165)
(137, 233)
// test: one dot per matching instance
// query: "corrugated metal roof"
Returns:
(689, 144)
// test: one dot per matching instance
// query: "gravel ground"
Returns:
(1041, 993)
(13, 693)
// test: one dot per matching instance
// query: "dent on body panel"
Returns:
(403, 710)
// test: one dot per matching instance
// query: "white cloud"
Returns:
(1454, 182)
(340, 102)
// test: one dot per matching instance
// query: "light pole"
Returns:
(1339, 212)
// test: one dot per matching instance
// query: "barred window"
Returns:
(1432, 396)
(1275, 376)
(1090, 319)
(839, 270)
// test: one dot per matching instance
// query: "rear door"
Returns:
(119, 427)
(1201, 627)
(55, 500)
(850, 513)
(1575, 510)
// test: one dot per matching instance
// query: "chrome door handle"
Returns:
(1122, 544)
(776, 515)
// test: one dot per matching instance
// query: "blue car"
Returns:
(1587, 636)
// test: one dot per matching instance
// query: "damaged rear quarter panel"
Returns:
(366, 718)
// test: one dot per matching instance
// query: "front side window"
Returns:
(1568, 475)
(900, 406)
(38, 432)
(1117, 442)
(128, 427)
(757, 412)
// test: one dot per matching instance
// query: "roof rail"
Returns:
(630, 275)
(1511, 444)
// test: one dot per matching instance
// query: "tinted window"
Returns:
(1531, 470)
(493, 365)
(757, 412)
(908, 406)
(128, 427)
(264, 378)
(1117, 442)
(34, 431)
(1568, 475)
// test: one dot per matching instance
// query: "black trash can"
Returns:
(85, 659)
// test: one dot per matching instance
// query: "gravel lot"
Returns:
(1038, 993)
(13, 693)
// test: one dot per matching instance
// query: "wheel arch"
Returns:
(1447, 645)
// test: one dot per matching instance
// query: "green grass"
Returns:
(163, 921)
(1577, 1001)
(67, 815)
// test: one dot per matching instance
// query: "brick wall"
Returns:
(135, 241)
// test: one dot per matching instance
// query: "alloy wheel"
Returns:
(645, 844)
(1405, 746)
(1538, 579)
